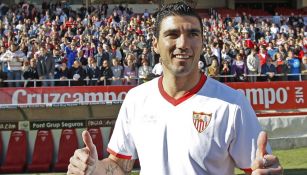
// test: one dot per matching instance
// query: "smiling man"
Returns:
(181, 123)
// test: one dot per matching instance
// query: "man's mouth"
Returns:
(182, 56)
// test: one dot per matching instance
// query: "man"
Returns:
(30, 74)
(101, 55)
(14, 58)
(253, 65)
(269, 70)
(186, 124)
(45, 67)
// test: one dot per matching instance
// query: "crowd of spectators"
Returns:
(88, 46)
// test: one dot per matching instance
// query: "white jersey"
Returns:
(209, 131)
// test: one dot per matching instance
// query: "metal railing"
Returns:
(139, 80)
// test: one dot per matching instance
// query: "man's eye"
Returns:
(171, 35)
(195, 34)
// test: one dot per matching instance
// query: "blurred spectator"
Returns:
(92, 71)
(253, 65)
(281, 66)
(30, 73)
(101, 55)
(269, 70)
(271, 50)
(57, 58)
(62, 74)
(225, 71)
(130, 71)
(115, 53)
(3, 77)
(262, 55)
(81, 58)
(117, 71)
(239, 69)
(294, 66)
(45, 67)
(157, 69)
(213, 69)
(71, 54)
(14, 59)
(276, 19)
(145, 71)
(106, 75)
(77, 74)
(209, 57)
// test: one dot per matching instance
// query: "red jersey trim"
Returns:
(247, 170)
(186, 96)
(121, 156)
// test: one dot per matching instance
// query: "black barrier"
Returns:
(58, 124)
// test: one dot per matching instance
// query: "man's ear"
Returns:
(155, 45)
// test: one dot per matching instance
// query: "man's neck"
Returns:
(177, 87)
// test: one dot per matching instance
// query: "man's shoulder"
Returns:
(221, 91)
(144, 89)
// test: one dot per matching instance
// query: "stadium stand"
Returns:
(97, 140)
(16, 156)
(43, 152)
(67, 146)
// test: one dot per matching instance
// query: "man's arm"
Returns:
(114, 166)
(85, 161)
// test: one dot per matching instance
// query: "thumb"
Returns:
(261, 144)
(87, 139)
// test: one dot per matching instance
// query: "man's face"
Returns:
(13, 48)
(179, 45)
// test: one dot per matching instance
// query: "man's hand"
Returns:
(265, 164)
(84, 160)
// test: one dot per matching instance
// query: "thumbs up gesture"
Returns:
(85, 159)
(265, 164)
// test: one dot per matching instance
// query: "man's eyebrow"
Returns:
(194, 30)
(170, 31)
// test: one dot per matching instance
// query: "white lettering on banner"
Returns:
(62, 99)
(65, 97)
(108, 95)
(78, 97)
(53, 125)
(93, 96)
(55, 96)
(16, 94)
(121, 96)
(299, 95)
(266, 96)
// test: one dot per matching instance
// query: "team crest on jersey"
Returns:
(201, 120)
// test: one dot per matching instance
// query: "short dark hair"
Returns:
(175, 9)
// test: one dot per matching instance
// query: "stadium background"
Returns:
(283, 118)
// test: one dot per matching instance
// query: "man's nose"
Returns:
(183, 42)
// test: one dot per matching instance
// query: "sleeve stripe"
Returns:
(247, 170)
(118, 155)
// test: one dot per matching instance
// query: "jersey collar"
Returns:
(186, 96)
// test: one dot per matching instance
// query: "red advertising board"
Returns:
(53, 95)
(274, 95)
(262, 95)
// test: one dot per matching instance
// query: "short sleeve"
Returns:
(247, 128)
(121, 143)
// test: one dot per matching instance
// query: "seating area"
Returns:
(43, 152)
(16, 159)
(232, 13)
(287, 11)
